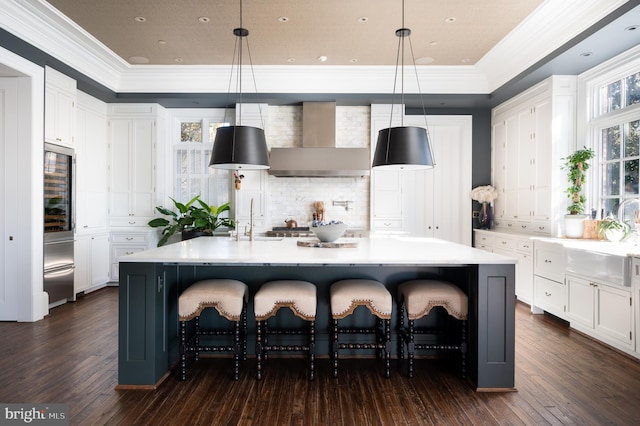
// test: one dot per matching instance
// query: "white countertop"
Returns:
(399, 251)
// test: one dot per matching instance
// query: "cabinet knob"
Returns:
(547, 261)
(132, 223)
(546, 293)
(129, 238)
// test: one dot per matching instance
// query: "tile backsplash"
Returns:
(293, 197)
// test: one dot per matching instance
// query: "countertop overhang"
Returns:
(369, 251)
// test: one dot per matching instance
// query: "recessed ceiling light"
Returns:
(632, 28)
(465, 60)
(178, 60)
(433, 43)
(291, 59)
(162, 42)
(363, 19)
(283, 19)
(140, 19)
(425, 60)
(138, 60)
(353, 60)
(322, 58)
(450, 19)
(586, 54)
(204, 19)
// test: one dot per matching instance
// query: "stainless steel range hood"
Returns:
(319, 156)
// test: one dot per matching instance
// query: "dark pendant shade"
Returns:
(239, 147)
(403, 148)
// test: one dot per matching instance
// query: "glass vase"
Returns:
(485, 216)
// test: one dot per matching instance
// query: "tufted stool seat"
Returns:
(300, 298)
(417, 298)
(346, 296)
(229, 298)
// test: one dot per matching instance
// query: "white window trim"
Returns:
(589, 121)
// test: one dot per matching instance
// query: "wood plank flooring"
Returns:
(71, 357)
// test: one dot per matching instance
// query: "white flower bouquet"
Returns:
(484, 194)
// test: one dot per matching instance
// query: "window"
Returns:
(617, 127)
(191, 153)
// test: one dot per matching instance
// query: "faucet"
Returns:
(251, 222)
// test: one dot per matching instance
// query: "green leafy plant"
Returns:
(612, 224)
(576, 166)
(195, 216)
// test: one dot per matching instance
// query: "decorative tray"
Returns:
(334, 244)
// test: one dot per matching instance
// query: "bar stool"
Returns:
(346, 296)
(229, 298)
(417, 298)
(300, 297)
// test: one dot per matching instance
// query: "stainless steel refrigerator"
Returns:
(59, 223)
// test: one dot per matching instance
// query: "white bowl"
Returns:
(329, 232)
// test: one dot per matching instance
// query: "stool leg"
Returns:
(197, 338)
(312, 350)
(401, 331)
(334, 351)
(244, 331)
(259, 349)
(463, 349)
(387, 347)
(236, 350)
(183, 350)
(411, 347)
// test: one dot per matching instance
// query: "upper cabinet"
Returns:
(133, 135)
(531, 133)
(60, 108)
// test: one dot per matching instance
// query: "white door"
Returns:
(9, 196)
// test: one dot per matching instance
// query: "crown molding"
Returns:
(550, 29)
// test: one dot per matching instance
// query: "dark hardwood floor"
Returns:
(71, 357)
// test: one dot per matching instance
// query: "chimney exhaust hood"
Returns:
(319, 156)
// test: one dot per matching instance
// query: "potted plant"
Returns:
(576, 166)
(613, 229)
(191, 219)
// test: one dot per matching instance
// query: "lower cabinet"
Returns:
(91, 256)
(549, 295)
(128, 241)
(549, 290)
(601, 310)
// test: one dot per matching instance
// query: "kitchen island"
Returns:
(151, 281)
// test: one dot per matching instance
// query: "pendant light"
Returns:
(240, 147)
(403, 147)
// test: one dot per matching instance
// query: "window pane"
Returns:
(191, 131)
(182, 190)
(633, 89)
(212, 130)
(611, 206)
(196, 166)
(613, 98)
(631, 177)
(631, 139)
(181, 161)
(611, 183)
(611, 143)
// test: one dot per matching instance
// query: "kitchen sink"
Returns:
(606, 267)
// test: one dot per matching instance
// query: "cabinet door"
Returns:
(387, 194)
(580, 301)
(119, 167)
(524, 277)
(542, 176)
(99, 259)
(254, 187)
(499, 167)
(142, 167)
(614, 315)
(81, 275)
(512, 131)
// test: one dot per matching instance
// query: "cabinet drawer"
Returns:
(387, 224)
(549, 295)
(525, 246)
(127, 222)
(484, 240)
(549, 261)
(130, 238)
(504, 243)
(123, 251)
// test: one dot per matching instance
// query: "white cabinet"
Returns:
(635, 288)
(512, 245)
(129, 241)
(549, 290)
(531, 133)
(425, 203)
(92, 262)
(91, 165)
(59, 108)
(133, 135)
(601, 310)
(253, 189)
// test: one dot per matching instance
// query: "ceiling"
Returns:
(298, 32)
